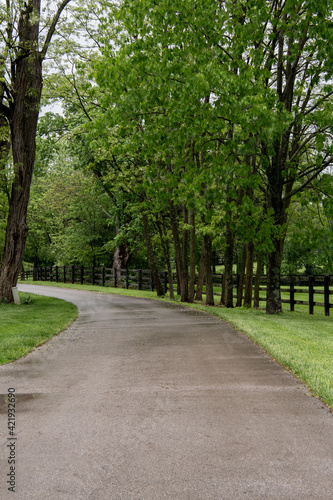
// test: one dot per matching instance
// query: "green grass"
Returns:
(24, 327)
(301, 342)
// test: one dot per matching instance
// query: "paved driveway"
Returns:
(142, 400)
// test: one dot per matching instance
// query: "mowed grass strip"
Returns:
(24, 327)
(301, 342)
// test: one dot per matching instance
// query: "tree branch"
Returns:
(52, 28)
(305, 183)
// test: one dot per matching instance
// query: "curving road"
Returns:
(143, 400)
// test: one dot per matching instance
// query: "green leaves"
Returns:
(218, 106)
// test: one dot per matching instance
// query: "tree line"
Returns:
(198, 128)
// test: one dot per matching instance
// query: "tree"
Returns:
(204, 110)
(23, 52)
(309, 236)
(288, 57)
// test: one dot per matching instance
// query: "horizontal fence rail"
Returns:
(142, 279)
(138, 279)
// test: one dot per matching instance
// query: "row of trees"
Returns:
(72, 221)
(197, 124)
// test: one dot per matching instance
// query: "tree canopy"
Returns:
(202, 128)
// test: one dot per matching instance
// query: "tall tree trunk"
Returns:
(256, 301)
(191, 284)
(178, 253)
(249, 275)
(170, 276)
(273, 294)
(228, 266)
(208, 270)
(22, 117)
(275, 202)
(151, 255)
(121, 257)
(223, 300)
(185, 251)
(23, 126)
(166, 252)
(241, 278)
(121, 254)
(178, 272)
(201, 276)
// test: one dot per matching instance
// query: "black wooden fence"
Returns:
(139, 279)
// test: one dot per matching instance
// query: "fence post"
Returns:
(126, 278)
(311, 294)
(292, 293)
(72, 274)
(81, 274)
(152, 281)
(327, 295)
(56, 274)
(103, 276)
(64, 277)
(140, 279)
(115, 277)
(93, 275)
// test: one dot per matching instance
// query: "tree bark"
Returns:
(228, 266)
(22, 116)
(191, 285)
(151, 256)
(208, 270)
(178, 253)
(241, 278)
(223, 300)
(23, 125)
(166, 252)
(273, 294)
(121, 257)
(275, 202)
(256, 301)
(185, 252)
(249, 275)
(201, 276)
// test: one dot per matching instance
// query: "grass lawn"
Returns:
(32, 323)
(299, 341)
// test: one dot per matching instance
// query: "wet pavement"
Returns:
(145, 400)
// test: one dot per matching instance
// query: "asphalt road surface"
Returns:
(143, 400)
